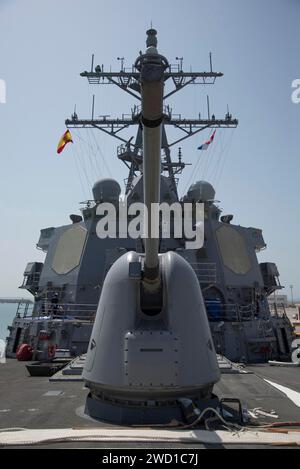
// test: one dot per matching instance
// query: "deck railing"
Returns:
(48, 310)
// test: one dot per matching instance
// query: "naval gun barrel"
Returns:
(152, 66)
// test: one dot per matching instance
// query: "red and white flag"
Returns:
(205, 145)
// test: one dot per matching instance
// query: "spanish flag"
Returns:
(66, 138)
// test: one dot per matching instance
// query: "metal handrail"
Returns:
(66, 307)
(236, 313)
(34, 277)
(63, 317)
(277, 310)
(58, 311)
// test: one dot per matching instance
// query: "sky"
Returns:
(45, 44)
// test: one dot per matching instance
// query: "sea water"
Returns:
(7, 313)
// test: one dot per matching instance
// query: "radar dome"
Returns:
(106, 190)
(202, 191)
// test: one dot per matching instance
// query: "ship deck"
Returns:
(36, 403)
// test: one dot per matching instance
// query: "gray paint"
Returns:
(178, 339)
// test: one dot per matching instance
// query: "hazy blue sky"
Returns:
(44, 44)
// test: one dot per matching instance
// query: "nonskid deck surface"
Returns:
(289, 377)
(254, 391)
(36, 403)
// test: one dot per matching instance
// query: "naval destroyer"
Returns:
(67, 286)
(228, 287)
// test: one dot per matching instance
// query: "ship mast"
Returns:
(131, 152)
